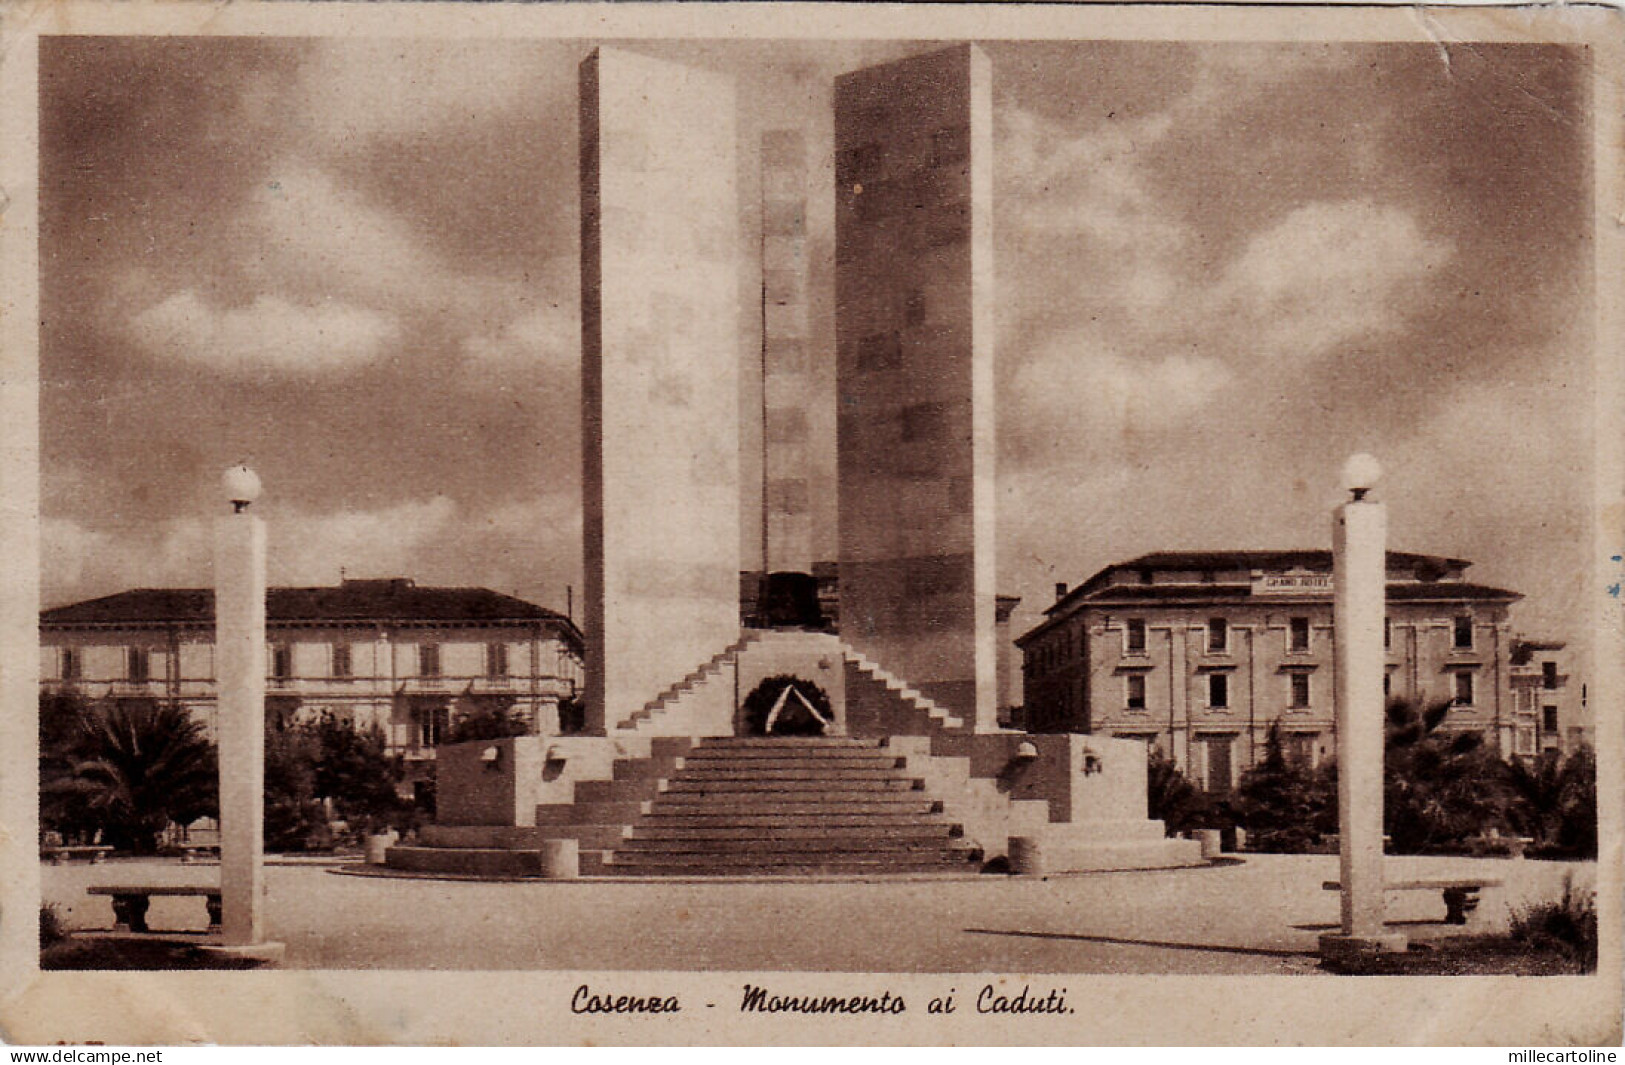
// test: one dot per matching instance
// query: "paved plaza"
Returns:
(1258, 914)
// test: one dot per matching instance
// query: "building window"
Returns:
(72, 666)
(1298, 748)
(281, 661)
(434, 725)
(1300, 691)
(1526, 741)
(1220, 771)
(137, 665)
(1300, 634)
(1548, 719)
(1464, 633)
(1387, 684)
(1548, 676)
(1387, 632)
(428, 660)
(1464, 688)
(341, 660)
(1134, 636)
(1218, 635)
(496, 659)
(1136, 691)
(1218, 690)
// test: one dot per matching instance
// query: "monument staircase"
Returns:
(661, 707)
(762, 805)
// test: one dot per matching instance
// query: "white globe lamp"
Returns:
(1361, 474)
(242, 487)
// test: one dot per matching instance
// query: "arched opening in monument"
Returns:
(787, 705)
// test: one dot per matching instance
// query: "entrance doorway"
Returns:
(786, 705)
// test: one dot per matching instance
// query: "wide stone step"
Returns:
(763, 846)
(614, 790)
(717, 820)
(804, 743)
(464, 861)
(864, 786)
(788, 773)
(588, 835)
(815, 808)
(589, 813)
(760, 755)
(899, 828)
(774, 761)
(790, 865)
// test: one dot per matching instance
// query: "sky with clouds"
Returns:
(1221, 269)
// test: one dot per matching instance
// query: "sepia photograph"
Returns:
(924, 523)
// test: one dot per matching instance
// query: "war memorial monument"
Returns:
(883, 754)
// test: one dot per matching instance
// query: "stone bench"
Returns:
(130, 902)
(55, 854)
(1460, 895)
(1514, 846)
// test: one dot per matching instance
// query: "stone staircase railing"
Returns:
(663, 702)
(937, 717)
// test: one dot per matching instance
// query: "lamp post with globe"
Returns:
(1360, 583)
(239, 618)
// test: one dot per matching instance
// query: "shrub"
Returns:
(1282, 806)
(1174, 800)
(51, 930)
(134, 766)
(489, 720)
(1568, 925)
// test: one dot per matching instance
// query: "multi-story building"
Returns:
(1549, 697)
(1200, 653)
(409, 660)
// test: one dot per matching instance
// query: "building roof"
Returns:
(395, 599)
(1398, 591)
(1425, 587)
(1272, 560)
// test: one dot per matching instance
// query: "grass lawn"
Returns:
(1492, 955)
(76, 953)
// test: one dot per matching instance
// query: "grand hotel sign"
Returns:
(1292, 583)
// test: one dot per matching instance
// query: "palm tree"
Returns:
(140, 764)
(1439, 787)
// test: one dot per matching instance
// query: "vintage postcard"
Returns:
(784, 523)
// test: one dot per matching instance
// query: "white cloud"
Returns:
(1078, 385)
(308, 232)
(72, 555)
(270, 333)
(525, 545)
(388, 541)
(1327, 275)
(356, 88)
(548, 337)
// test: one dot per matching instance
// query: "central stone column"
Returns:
(914, 355)
(660, 300)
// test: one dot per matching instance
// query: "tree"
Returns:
(1439, 788)
(1554, 801)
(1173, 799)
(292, 812)
(491, 719)
(137, 765)
(64, 800)
(1281, 805)
(354, 771)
